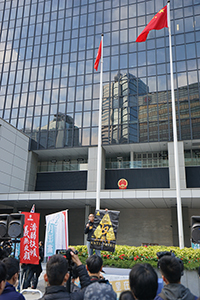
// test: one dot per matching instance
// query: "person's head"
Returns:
(40, 243)
(3, 274)
(99, 291)
(12, 267)
(56, 270)
(126, 295)
(91, 218)
(94, 264)
(143, 282)
(170, 268)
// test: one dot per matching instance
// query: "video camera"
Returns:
(170, 253)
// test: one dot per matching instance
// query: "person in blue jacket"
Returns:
(9, 292)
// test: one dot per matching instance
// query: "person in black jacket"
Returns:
(89, 230)
(57, 275)
(143, 282)
(33, 271)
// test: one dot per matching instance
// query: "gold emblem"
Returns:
(122, 183)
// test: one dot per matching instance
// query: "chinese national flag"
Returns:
(159, 21)
(96, 64)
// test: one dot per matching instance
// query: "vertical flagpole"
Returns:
(177, 176)
(98, 186)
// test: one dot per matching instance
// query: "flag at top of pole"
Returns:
(96, 64)
(158, 22)
(33, 209)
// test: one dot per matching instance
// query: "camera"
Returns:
(66, 254)
(170, 253)
(72, 266)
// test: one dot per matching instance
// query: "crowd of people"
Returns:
(10, 277)
(62, 284)
(68, 279)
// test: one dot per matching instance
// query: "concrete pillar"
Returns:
(103, 167)
(131, 159)
(186, 226)
(92, 169)
(172, 165)
(31, 171)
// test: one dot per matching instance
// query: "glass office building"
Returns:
(50, 90)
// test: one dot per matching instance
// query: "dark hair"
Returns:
(94, 263)
(57, 267)
(12, 266)
(170, 268)
(126, 295)
(199, 271)
(3, 272)
(143, 281)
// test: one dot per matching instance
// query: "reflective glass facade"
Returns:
(50, 90)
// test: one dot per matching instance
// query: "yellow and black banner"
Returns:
(105, 230)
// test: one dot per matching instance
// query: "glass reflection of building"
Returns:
(155, 119)
(58, 132)
(47, 51)
(119, 114)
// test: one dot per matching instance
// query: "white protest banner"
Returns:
(56, 236)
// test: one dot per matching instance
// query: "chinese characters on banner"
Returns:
(29, 249)
(120, 286)
(56, 236)
(105, 230)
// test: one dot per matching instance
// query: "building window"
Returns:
(140, 160)
(192, 157)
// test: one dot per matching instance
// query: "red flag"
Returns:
(96, 64)
(159, 21)
(29, 249)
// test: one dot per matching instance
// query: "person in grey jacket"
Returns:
(171, 273)
(57, 275)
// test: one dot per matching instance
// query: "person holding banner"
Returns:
(89, 230)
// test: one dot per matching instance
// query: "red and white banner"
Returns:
(29, 248)
(56, 236)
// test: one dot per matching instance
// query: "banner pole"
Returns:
(99, 151)
(177, 175)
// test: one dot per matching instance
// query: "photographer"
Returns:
(57, 275)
